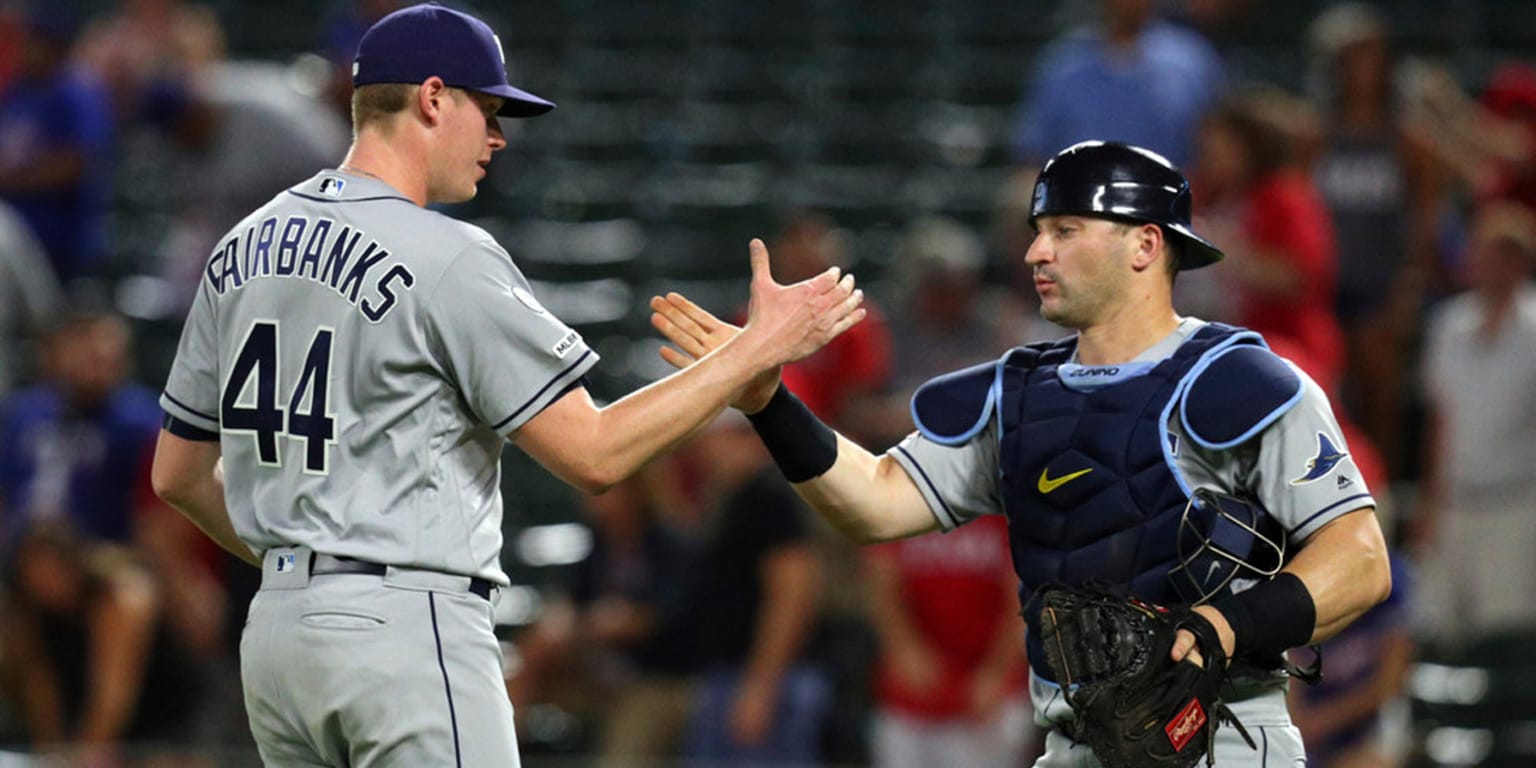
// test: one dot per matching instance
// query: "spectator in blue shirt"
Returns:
(1133, 77)
(55, 137)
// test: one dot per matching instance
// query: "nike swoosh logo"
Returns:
(1048, 484)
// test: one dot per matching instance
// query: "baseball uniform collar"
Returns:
(335, 185)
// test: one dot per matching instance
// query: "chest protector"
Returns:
(1087, 474)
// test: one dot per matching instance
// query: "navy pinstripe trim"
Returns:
(189, 409)
(1329, 508)
(453, 717)
(953, 521)
(552, 382)
(349, 200)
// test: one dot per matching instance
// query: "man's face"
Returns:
(1081, 267)
(471, 134)
(89, 359)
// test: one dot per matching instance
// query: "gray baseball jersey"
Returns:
(361, 359)
(1299, 468)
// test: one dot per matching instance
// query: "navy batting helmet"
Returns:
(1107, 179)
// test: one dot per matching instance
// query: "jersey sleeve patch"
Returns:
(952, 408)
(1236, 395)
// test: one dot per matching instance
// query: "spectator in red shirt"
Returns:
(949, 682)
(1275, 227)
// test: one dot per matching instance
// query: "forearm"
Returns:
(657, 418)
(785, 616)
(1344, 567)
(186, 475)
(1340, 572)
(594, 448)
(867, 498)
(203, 504)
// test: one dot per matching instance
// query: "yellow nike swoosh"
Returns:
(1048, 484)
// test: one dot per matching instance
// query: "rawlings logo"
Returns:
(1185, 724)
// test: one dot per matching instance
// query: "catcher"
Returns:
(1159, 457)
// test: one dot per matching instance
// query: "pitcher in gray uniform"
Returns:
(347, 376)
(1163, 456)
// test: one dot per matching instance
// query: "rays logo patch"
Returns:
(1326, 459)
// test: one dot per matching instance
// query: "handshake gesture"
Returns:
(785, 323)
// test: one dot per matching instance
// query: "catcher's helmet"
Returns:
(1107, 179)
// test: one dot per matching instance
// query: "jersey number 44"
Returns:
(250, 402)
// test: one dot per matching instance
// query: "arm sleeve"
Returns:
(508, 356)
(191, 394)
(959, 482)
(1304, 474)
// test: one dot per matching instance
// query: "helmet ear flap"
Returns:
(1223, 538)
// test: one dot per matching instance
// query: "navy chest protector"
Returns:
(1088, 474)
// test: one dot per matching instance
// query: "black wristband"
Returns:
(1270, 617)
(802, 446)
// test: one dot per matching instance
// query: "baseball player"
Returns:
(356, 361)
(1092, 446)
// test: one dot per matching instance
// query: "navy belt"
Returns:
(321, 565)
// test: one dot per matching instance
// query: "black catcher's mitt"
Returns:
(1135, 707)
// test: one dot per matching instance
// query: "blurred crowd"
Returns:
(1380, 230)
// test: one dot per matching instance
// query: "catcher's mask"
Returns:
(1222, 538)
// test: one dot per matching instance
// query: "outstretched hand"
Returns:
(789, 321)
(697, 332)
(795, 320)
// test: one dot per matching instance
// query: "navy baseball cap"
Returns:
(415, 43)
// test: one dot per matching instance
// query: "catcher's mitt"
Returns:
(1135, 706)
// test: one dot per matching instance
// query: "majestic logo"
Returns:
(332, 186)
(1048, 484)
(1326, 459)
(1185, 725)
(1345, 481)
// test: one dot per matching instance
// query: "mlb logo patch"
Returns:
(332, 186)
(285, 562)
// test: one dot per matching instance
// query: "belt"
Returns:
(321, 565)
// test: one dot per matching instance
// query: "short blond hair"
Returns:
(378, 102)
